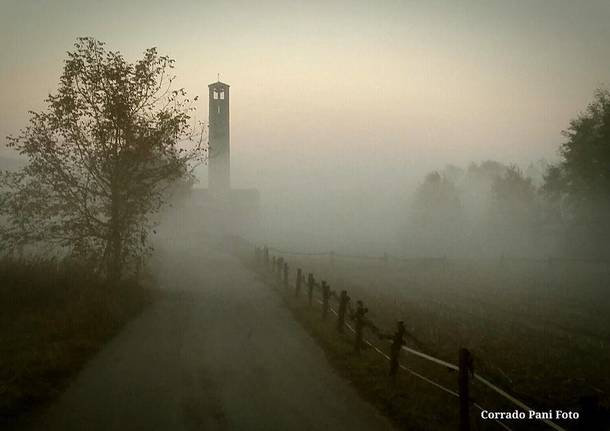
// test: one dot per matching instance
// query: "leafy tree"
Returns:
(101, 157)
(437, 213)
(436, 197)
(487, 171)
(513, 198)
(554, 196)
(514, 214)
(581, 181)
(476, 186)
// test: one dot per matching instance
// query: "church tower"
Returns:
(219, 172)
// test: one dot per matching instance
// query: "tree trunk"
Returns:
(115, 240)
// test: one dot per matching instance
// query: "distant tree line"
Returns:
(553, 209)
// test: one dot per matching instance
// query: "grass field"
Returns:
(53, 318)
(538, 329)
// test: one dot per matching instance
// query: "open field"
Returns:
(538, 329)
(53, 319)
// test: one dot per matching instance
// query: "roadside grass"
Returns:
(401, 399)
(53, 317)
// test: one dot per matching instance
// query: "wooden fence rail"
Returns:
(386, 257)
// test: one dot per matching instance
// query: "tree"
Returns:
(513, 198)
(554, 196)
(101, 156)
(476, 188)
(436, 198)
(437, 213)
(487, 171)
(581, 181)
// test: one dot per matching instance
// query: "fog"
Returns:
(427, 177)
(370, 207)
(339, 110)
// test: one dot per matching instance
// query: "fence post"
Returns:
(466, 369)
(360, 313)
(310, 283)
(273, 264)
(325, 298)
(343, 300)
(266, 256)
(297, 289)
(397, 343)
(285, 275)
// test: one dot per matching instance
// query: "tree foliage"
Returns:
(580, 183)
(436, 199)
(436, 214)
(513, 198)
(101, 157)
(584, 172)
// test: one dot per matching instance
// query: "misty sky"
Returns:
(328, 86)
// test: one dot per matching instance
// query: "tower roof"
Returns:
(218, 84)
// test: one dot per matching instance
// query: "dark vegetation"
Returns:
(55, 315)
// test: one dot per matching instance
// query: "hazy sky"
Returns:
(378, 85)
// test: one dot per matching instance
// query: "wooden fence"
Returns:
(355, 319)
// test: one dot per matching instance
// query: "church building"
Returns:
(220, 209)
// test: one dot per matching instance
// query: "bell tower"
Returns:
(219, 164)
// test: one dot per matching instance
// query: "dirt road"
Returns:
(219, 352)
